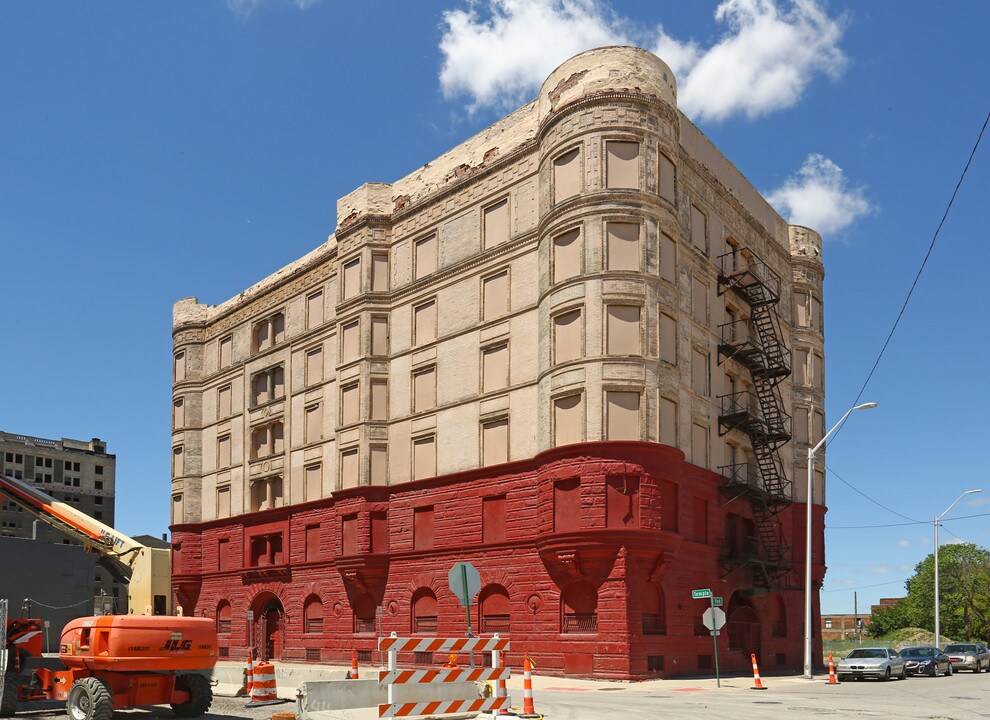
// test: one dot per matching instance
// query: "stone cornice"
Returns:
(605, 98)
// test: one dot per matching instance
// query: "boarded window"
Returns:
(226, 346)
(567, 340)
(668, 178)
(423, 527)
(379, 531)
(700, 520)
(350, 342)
(567, 252)
(314, 367)
(426, 256)
(800, 367)
(278, 328)
(178, 462)
(425, 323)
(223, 451)
(425, 389)
(699, 445)
(179, 413)
(379, 399)
(699, 372)
(223, 508)
(223, 402)
(622, 502)
(179, 367)
(379, 335)
(623, 330)
(495, 442)
(699, 229)
(668, 338)
(622, 245)
(352, 278)
(668, 258)
(801, 424)
(818, 370)
(668, 422)
(669, 513)
(493, 519)
(497, 223)
(178, 510)
(494, 368)
(313, 616)
(349, 469)
(494, 610)
(818, 429)
(379, 272)
(817, 323)
(314, 423)
(622, 167)
(349, 544)
(350, 404)
(378, 465)
(496, 292)
(312, 543)
(568, 419)
(424, 610)
(314, 309)
(801, 318)
(622, 410)
(424, 457)
(313, 482)
(699, 301)
(567, 505)
(566, 175)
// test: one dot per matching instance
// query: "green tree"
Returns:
(890, 618)
(964, 592)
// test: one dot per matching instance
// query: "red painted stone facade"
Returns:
(587, 553)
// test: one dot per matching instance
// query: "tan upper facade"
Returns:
(554, 279)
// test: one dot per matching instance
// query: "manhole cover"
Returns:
(607, 689)
(767, 702)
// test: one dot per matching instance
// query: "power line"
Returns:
(875, 502)
(863, 587)
(905, 524)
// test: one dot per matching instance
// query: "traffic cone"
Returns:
(502, 691)
(528, 708)
(250, 675)
(354, 666)
(757, 685)
(831, 671)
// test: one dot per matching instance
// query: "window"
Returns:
(493, 519)
(268, 385)
(493, 610)
(494, 368)
(423, 527)
(567, 336)
(496, 295)
(700, 520)
(623, 330)
(314, 423)
(313, 482)
(828, 623)
(267, 440)
(566, 175)
(426, 256)
(349, 468)
(496, 223)
(178, 463)
(654, 616)
(223, 451)
(350, 342)
(179, 367)
(668, 178)
(379, 272)
(700, 382)
(424, 613)
(314, 309)
(378, 465)
(178, 413)
(818, 427)
(622, 246)
(352, 278)
(350, 404)
(817, 321)
(495, 441)
(818, 370)
(364, 615)
(801, 424)
(699, 445)
(800, 366)
(425, 389)
(225, 351)
(314, 366)
(379, 335)
(379, 399)
(668, 422)
(269, 332)
(223, 618)
(668, 339)
(425, 323)
(699, 301)
(349, 542)
(579, 608)
(223, 506)
(567, 252)
(424, 457)
(313, 615)
(622, 502)
(622, 164)
(568, 419)
(668, 258)
(699, 229)
(801, 315)
(622, 415)
(223, 402)
(178, 514)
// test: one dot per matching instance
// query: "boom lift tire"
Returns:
(8, 702)
(89, 699)
(200, 695)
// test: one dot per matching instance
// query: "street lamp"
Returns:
(807, 537)
(938, 520)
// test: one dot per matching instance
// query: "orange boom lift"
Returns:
(115, 661)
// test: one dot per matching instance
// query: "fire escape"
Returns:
(756, 343)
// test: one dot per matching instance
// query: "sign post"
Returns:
(713, 619)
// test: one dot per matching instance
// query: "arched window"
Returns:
(313, 615)
(364, 614)
(424, 611)
(779, 618)
(579, 608)
(654, 614)
(223, 617)
(493, 610)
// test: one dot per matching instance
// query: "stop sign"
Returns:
(713, 618)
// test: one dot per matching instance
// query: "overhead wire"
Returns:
(875, 502)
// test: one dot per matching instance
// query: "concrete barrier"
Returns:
(318, 700)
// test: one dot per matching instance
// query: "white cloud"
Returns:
(904, 543)
(820, 197)
(763, 62)
(880, 570)
(244, 8)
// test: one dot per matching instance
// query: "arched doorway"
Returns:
(269, 627)
(743, 628)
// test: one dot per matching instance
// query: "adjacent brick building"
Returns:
(578, 350)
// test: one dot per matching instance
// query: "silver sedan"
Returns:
(882, 663)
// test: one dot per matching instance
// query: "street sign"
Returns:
(717, 602)
(715, 632)
(465, 582)
(703, 593)
(713, 618)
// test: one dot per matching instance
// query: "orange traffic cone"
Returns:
(757, 685)
(502, 691)
(250, 674)
(354, 667)
(831, 671)
(528, 708)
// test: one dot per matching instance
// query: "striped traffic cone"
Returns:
(502, 691)
(757, 685)
(528, 708)
(250, 675)
(831, 671)
(354, 666)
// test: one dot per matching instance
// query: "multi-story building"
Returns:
(78, 472)
(559, 351)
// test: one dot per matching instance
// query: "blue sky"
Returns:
(156, 151)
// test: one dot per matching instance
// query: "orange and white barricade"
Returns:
(263, 690)
(392, 676)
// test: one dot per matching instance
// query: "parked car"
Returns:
(878, 662)
(926, 661)
(969, 656)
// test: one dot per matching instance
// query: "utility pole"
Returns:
(859, 634)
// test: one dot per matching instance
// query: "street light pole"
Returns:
(807, 537)
(938, 521)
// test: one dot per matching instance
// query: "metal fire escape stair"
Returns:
(757, 344)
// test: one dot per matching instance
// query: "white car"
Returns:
(882, 663)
